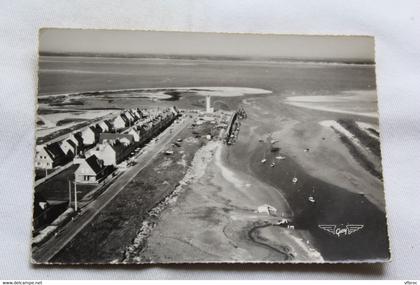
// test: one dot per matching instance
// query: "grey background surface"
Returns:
(396, 28)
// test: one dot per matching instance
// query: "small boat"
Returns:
(263, 160)
(311, 199)
(294, 180)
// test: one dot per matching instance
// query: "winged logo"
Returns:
(341, 230)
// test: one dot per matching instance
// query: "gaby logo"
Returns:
(341, 230)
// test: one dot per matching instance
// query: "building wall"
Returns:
(82, 178)
(43, 160)
(106, 154)
(135, 135)
(84, 173)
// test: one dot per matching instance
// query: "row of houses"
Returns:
(114, 148)
(51, 155)
(112, 143)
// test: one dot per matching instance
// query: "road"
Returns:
(49, 249)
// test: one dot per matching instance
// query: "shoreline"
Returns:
(243, 90)
(305, 145)
(331, 103)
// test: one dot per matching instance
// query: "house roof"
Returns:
(124, 117)
(134, 114)
(138, 113)
(78, 137)
(96, 128)
(105, 123)
(71, 143)
(129, 115)
(99, 127)
(134, 132)
(54, 150)
(117, 146)
(108, 123)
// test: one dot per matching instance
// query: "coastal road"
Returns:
(46, 251)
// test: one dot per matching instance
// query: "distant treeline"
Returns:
(203, 57)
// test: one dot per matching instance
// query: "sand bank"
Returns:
(360, 103)
(195, 90)
(342, 190)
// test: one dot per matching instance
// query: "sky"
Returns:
(348, 48)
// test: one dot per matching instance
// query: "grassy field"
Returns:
(107, 236)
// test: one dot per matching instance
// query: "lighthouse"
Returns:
(209, 109)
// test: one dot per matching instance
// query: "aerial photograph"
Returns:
(181, 147)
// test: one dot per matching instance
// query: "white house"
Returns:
(111, 153)
(135, 134)
(106, 153)
(120, 122)
(90, 170)
(49, 156)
